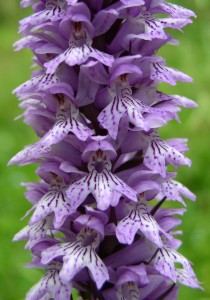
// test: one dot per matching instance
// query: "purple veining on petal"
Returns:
(66, 122)
(177, 11)
(158, 152)
(54, 12)
(79, 51)
(34, 233)
(40, 82)
(54, 201)
(78, 255)
(50, 286)
(139, 219)
(183, 277)
(105, 186)
(174, 190)
(161, 73)
(165, 261)
(124, 104)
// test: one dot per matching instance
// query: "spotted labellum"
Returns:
(98, 227)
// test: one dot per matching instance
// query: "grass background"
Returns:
(192, 57)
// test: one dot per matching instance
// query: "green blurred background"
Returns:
(192, 57)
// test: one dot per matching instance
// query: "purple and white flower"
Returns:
(96, 221)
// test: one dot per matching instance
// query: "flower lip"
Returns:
(79, 256)
(50, 284)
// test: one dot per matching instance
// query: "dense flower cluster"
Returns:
(96, 223)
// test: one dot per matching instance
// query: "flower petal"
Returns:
(106, 187)
(165, 261)
(40, 82)
(161, 73)
(184, 278)
(76, 256)
(76, 55)
(174, 190)
(53, 201)
(139, 219)
(50, 286)
(103, 20)
(158, 152)
(54, 14)
(177, 11)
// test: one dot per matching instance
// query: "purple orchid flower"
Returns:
(96, 223)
